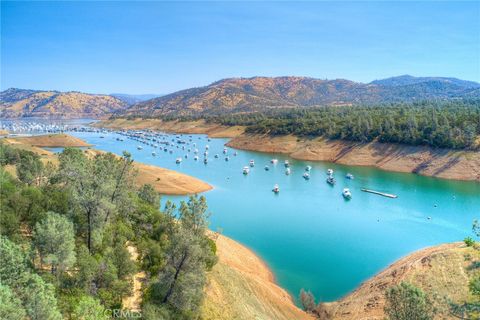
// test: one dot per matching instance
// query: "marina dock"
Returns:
(388, 195)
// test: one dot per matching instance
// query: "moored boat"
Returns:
(288, 171)
(287, 164)
(252, 163)
(349, 176)
(306, 176)
(178, 160)
(276, 188)
(330, 180)
(308, 168)
(346, 193)
(329, 172)
(267, 168)
(246, 170)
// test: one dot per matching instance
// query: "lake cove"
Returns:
(309, 235)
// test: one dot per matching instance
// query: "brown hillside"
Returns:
(16, 103)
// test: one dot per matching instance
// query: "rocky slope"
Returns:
(250, 94)
(15, 103)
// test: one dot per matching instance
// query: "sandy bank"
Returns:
(241, 286)
(444, 270)
(441, 163)
(168, 181)
(200, 127)
(163, 180)
(50, 140)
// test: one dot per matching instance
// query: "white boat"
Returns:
(267, 168)
(346, 193)
(186, 156)
(225, 150)
(252, 163)
(287, 164)
(205, 160)
(306, 176)
(195, 158)
(154, 153)
(349, 176)
(329, 172)
(276, 188)
(216, 156)
(139, 147)
(207, 147)
(308, 168)
(179, 160)
(235, 153)
(330, 180)
(227, 158)
(288, 171)
(274, 161)
(246, 170)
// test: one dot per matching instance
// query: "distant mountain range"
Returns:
(236, 95)
(15, 103)
(134, 98)
(250, 94)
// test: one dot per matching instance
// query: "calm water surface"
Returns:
(308, 234)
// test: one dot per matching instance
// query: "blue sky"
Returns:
(161, 47)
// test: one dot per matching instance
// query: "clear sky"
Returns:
(161, 47)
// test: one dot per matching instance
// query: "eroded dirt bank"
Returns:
(441, 163)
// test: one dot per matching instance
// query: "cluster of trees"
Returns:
(454, 124)
(64, 232)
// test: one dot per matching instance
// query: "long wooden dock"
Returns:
(388, 195)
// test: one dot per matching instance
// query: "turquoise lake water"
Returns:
(308, 234)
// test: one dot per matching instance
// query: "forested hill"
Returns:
(253, 94)
(16, 103)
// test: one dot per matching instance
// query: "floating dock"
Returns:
(388, 195)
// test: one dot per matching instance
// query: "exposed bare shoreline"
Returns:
(241, 286)
(423, 160)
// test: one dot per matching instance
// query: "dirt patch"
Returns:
(194, 127)
(50, 140)
(443, 270)
(241, 286)
(441, 163)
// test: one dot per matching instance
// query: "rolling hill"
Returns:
(250, 94)
(16, 103)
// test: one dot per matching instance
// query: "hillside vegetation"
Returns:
(259, 93)
(16, 103)
(454, 125)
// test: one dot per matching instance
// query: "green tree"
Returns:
(148, 194)
(29, 169)
(407, 302)
(10, 306)
(38, 297)
(89, 308)
(12, 262)
(55, 241)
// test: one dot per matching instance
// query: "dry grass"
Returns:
(49, 140)
(199, 127)
(441, 271)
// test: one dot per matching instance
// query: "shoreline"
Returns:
(448, 164)
(242, 286)
(165, 181)
(421, 160)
